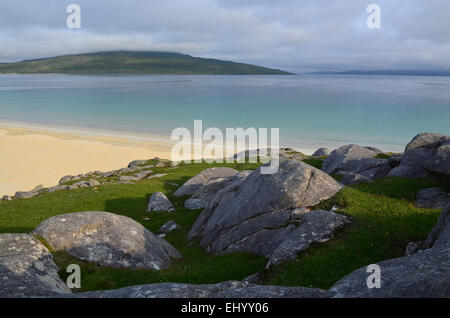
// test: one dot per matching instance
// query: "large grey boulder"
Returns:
(440, 234)
(204, 196)
(29, 194)
(321, 152)
(423, 274)
(58, 188)
(27, 268)
(229, 289)
(426, 153)
(258, 212)
(339, 157)
(432, 198)
(439, 165)
(195, 183)
(370, 168)
(137, 163)
(206, 193)
(107, 239)
(159, 202)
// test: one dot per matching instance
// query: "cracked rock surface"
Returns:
(426, 154)
(267, 214)
(107, 239)
(230, 289)
(195, 183)
(159, 202)
(27, 268)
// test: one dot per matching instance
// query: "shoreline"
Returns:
(34, 155)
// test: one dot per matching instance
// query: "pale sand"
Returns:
(30, 156)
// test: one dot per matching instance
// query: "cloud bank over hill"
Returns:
(295, 35)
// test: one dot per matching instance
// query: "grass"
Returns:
(315, 162)
(197, 266)
(383, 216)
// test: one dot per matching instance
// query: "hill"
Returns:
(128, 62)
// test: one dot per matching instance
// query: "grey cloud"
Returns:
(298, 35)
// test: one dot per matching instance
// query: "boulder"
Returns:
(440, 234)
(159, 202)
(258, 212)
(425, 274)
(432, 198)
(439, 165)
(204, 196)
(24, 195)
(169, 227)
(107, 239)
(354, 178)
(371, 168)
(58, 188)
(411, 164)
(92, 183)
(143, 174)
(128, 178)
(426, 140)
(29, 194)
(64, 179)
(195, 183)
(425, 155)
(321, 152)
(342, 155)
(229, 289)
(27, 268)
(136, 163)
(109, 174)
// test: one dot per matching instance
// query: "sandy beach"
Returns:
(33, 155)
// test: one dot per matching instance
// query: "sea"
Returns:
(311, 111)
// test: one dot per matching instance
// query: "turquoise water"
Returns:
(310, 110)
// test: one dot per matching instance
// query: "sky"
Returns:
(294, 35)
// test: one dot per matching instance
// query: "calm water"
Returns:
(310, 110)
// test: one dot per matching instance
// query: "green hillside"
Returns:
(126, 62)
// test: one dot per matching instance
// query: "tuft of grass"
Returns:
(315, 162)
(383, 156)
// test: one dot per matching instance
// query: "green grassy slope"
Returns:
(384, 220)
(128, 62)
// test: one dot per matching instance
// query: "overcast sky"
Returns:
(295, 35)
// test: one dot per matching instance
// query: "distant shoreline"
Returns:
(386, 73)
